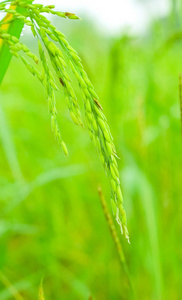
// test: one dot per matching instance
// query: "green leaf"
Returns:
(15, 29)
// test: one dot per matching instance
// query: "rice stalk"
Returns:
(41, 291)
(115, 238)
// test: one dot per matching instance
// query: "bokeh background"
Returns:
(52, 224)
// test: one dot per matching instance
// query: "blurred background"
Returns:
(52, 224)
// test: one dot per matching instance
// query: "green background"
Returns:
(52, 223)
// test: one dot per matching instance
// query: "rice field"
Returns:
(57, 225)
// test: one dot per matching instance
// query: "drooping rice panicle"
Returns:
(60, 66)
(97, 124)
(15, 45)
(50, 95)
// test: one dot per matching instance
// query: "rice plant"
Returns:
(56, 53)
(51, 221)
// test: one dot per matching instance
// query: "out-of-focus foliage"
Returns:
(51, 221)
